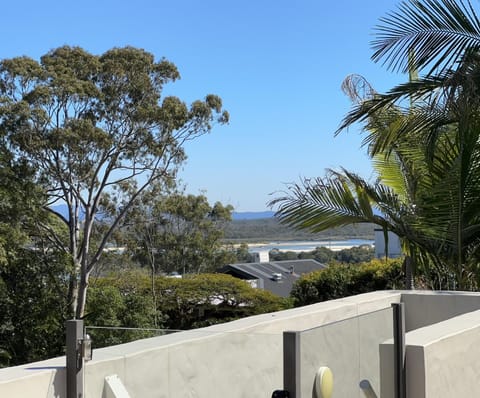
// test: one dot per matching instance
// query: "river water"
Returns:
(307, 246)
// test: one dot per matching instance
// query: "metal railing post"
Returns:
(291, 364)
(74, 359)
(399, 350)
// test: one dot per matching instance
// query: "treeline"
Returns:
(324, 255)
(357, 254)
(271, 229)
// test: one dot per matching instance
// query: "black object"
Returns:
(280, 394)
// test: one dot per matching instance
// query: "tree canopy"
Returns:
(179, 233)
(97, 132)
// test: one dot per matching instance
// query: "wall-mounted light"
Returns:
(324, 382)
(86, 350)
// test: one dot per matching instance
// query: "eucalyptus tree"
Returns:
(180, 233)
(98, 133)
(176, 233)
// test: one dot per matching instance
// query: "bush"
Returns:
(33, 306)
(341, 280)
(356, 254)
(123, 302)
(126, 300)
(207, 299)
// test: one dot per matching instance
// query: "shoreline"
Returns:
(306, 246)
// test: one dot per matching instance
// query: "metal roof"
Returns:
(290, 271)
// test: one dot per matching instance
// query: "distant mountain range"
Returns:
(252, 215)
(245, 215)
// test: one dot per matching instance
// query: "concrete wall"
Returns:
(442, 360)
(238, 359)
(350, 349)
(217, 365)
(424, 308)
(429, 315)
(244, 358)
(451, 358)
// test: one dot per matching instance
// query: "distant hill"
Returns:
(252, 215)
(262, 226)
(247, 215)
(269, 229)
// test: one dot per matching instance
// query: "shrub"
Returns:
(126, 300)
(341, 280)
(207, 299)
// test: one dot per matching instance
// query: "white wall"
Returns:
(244, 358)
(394, 245)
(238, 359)
(350, 348)
(424, 308)
(442, 360)
(261, 256)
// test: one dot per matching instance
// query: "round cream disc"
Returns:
(324, 382)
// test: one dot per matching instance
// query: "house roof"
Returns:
(277, 277)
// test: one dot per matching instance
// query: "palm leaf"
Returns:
(322, 203)
(439, 32)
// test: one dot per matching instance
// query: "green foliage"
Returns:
(126, 301)
(439, 32)
(179, 233)
(356, 254)
(272, 229)
(208, 299)
(277, 255)
(20, 205)
(33, 273)
(242, 255)
(118, 307)
(324, 255)
(97, 132)
(341, 280)
(33, 306)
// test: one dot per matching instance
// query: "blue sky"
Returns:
(278, 66)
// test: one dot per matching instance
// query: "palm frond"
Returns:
(391, 173)
(382, 107)
(439, 32)
(321, 203)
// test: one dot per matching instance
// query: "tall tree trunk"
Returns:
(82, 296)
(154, 292)
(73, 293)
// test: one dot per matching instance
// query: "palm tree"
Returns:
(444, 35)
(424, 136)
(391, 202)
(439, 32)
